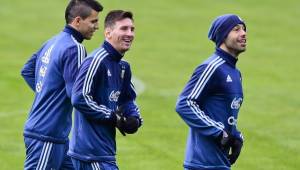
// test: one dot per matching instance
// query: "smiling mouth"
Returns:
(127, 41)
(243, 42)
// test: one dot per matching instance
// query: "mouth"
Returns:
(127, 41)
(243, 42)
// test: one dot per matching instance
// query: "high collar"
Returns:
(226, 56)
(77, 35)
(113, 53)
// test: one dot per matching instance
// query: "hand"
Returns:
(119, 121)
(125, 124)
(236, 147)
(225, 140)
(131, 125)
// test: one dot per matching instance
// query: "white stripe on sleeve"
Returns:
(99, 56)
(205, 76)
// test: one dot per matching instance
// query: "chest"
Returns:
(228, 81)
(113, 77)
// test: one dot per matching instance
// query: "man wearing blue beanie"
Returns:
(210, 102)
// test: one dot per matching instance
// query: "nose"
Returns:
(130, 32)
(244, 32)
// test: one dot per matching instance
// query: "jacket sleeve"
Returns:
(84, 91)
(187, 104)
(237, 134)
(71, 60)
(28, 71)
(128, 96)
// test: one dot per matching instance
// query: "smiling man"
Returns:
(211, 100)
(104, 98)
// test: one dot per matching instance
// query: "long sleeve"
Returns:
(28, 71)
(193, 94)
(237, 134)
(84, 90)
(128, 96)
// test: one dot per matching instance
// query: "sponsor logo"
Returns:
(114, 96)
(232, 121)
(236, 103)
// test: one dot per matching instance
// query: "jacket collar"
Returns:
(112, 52)
(226, 56)
(77, 35)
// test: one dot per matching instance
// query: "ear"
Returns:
(107, 32)
(76, 21)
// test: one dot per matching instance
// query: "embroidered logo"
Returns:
(228, 79)
(231, 120)
(122, 72)
(114, 96)
(236, 103)
(108, 73)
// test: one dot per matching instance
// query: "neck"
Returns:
(232, 52)
(73, 26)
(114, 46)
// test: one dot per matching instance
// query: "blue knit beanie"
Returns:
(221, 27)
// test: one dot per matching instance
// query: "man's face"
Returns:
(89, 25)
(236, 40)
(121, 35)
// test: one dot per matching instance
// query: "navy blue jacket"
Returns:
(102, 85)
(50, 73)
(209, 104)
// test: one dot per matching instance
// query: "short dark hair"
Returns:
(116, 15)
(82, 8)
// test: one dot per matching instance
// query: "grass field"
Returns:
(171, 40)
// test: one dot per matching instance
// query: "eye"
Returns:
(124, 28)
(236, 28)
(94, 21)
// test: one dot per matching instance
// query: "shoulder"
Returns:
(210, 64)
(96, 57)
(66, 41)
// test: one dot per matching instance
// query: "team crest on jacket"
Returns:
(236, 103)
(114, 96)
(108, 73)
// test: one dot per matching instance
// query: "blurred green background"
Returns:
(171, 40)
